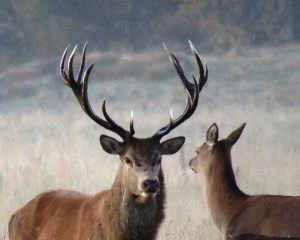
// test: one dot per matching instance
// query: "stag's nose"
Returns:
(151, 186)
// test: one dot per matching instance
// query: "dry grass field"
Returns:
(47, 142)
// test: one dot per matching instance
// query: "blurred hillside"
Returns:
(32, 29)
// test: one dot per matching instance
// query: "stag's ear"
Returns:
(235, 135)
(111, 145)
(172, 145)
(212, 135)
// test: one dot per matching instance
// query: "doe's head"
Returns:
(214, 152)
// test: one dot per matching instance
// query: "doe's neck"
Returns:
(224, 198)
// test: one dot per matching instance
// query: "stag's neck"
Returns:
(129, 217)
(224, 198)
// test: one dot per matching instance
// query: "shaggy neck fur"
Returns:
(224, 198)
(131, 219)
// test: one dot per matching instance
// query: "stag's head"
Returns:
(215, 153)
(140, 157)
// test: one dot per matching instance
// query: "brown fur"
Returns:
(114, 214)
(236, 213)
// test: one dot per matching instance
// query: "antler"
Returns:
(80, 89)
(192, 90)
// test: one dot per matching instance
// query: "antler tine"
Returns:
(203, 71)
(62, 65)
(173, 59)
(192, 90)
(70, 67)
(79, 76)
(115, 125)
(83, 93)
(80, 89)
(132, 131)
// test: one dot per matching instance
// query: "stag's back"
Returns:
(50, 215)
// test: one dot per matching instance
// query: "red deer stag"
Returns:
(234, 212)
(133, 208)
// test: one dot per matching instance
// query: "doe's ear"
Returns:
(235, 135)
(172, 145)
(212, 135)
(111, 145)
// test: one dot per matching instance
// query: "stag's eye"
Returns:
(128, 161)
(138, 164)
(159, 161)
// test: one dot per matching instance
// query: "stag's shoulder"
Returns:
(59, 196)
(48, 200)
(23, 221)
(96, 200)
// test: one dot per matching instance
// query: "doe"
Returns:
(234, 212)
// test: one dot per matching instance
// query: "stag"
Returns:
(133, 208)
(234, 212)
